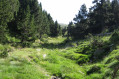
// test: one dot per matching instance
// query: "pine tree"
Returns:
(70, 29)
(115, 11)
(22, 26)
(44, 29)
(26, 26)
(56, 29)
(81, 22)
(100, 10)
(7, 11)
(30, 23)
(82, 14)
(51, 25)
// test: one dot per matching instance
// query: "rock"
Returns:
(81, 72)
(47, 75)
(38, 50)
(44, 55)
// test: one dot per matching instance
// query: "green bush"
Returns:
(94, 69)
(114, 38)
(108, 60)
(1, 48)
(85, 49)
(3, 38)
(4, 49)
(114, 64)
(96, 41)
(83, 59)
(26, 44)
(80, 58)
(12, 39)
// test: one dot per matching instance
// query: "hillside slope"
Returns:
(56, 58)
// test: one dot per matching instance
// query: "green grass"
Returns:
(60, 66)
(55, 58)
(20, 70)
(19, 66)
(56, 40)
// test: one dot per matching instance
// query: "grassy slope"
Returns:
(19, 66)
(54, 59)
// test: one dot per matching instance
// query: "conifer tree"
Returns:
(26, 26)
(81, 22)
(115, 11)
(70, 29)
(51, 25)
(100, 10)
(7, 11)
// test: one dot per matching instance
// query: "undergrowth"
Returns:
(85, 59)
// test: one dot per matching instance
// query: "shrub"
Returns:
(1, 48)
(80, 58)
(108, 60)
(114, 64)
(3, 38)
(4, 49)
(26, 44)
(114, 38)
(8, 48)
(83, 59)
(94, 69)
(12, 39)
(85, 49)
(96, 41)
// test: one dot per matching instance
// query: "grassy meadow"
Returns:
(55, 57)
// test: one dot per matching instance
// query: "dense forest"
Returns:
(25, 20)
(34, 46)
(102, 17)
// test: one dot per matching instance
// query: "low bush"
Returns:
(80, 58)
(4, 49)
(26, 44)
(94, 69)
(83, 59)
(12, 39)
(114, 64)
(114, 38)
(96, 41)
(85, 49)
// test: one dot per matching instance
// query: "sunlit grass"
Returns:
(44, 62)
(56, 40)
